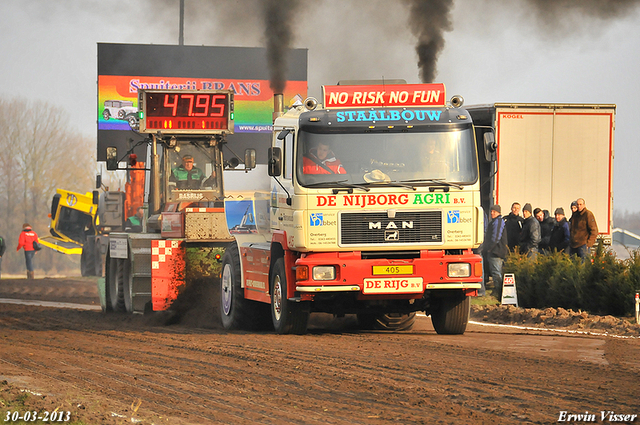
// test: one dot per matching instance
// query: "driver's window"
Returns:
(190, 170)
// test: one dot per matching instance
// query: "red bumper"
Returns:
(389, 278)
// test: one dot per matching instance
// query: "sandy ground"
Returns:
(116, 369)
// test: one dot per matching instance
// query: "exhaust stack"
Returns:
(278, 105)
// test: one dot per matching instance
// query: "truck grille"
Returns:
(408, 227)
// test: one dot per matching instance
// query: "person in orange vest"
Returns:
(30, 243)
(322, 160)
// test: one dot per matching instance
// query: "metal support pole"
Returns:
(181, 36)
(155, 178)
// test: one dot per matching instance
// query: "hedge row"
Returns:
(602, 284)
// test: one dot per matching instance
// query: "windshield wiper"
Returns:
(391, 183)
(340, 183)
(436, 181)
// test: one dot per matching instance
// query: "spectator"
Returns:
(530, 236)
(560, 235)
(574, 207)
(514, 226)
(494, 247)
(3, 248)
(322, 160)
(27, 239)
(583, 229)
(546, 227)
(134, 223)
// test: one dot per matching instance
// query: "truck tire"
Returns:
(386, 321)
(87, 258)
(287, 316)
(236, 312)
(115, 284)
(450, 313)
(126, 285)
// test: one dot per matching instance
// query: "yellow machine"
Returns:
(73, 218)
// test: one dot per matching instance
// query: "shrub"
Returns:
(601, 284)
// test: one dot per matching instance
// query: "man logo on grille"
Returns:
(391, 235)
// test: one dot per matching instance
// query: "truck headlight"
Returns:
(459, 270)
(324, 273)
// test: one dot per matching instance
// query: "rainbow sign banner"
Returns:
(118, 99)
(125, 68)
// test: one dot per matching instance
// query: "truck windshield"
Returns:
(418, 158)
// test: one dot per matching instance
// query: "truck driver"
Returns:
(322, 160)
(187, 176)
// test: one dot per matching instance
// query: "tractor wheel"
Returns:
(127, 290)
(115, 284)
(450, 313)
(287, 316)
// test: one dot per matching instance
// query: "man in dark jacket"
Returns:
(530, 236)
(3, 248)
(546, 227)
(514, 226)
(494, 247)
(584, 230)
(560, 235)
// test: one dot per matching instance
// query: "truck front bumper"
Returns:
(383, 277)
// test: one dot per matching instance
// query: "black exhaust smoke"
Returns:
(279, 18)
(429, 19)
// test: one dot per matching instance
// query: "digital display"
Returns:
(186, 111)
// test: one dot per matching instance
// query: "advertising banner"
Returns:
(125, 68)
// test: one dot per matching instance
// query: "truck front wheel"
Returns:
(236, 312)
(288, 316)
(450, 313)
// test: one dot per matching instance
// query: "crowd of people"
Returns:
(535, 232)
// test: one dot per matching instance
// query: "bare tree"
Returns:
(39, 152)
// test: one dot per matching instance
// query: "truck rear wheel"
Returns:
(115, 284)
(386, 321)
(288, 316)
(236, 312)
(450, 313)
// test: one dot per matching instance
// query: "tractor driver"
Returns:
(187, 176)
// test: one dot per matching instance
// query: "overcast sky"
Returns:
(496, 51)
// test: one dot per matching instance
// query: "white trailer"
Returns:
(550, 154)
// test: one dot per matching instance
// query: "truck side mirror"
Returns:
(112, 158)
(275, 161)
(96, 197)
(249, 159)
(284, 133)
(98, 181)
(490, 147)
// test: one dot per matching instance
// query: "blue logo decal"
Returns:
(453, 216)
(316, 219)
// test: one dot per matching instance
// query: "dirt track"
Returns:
(108, 369)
